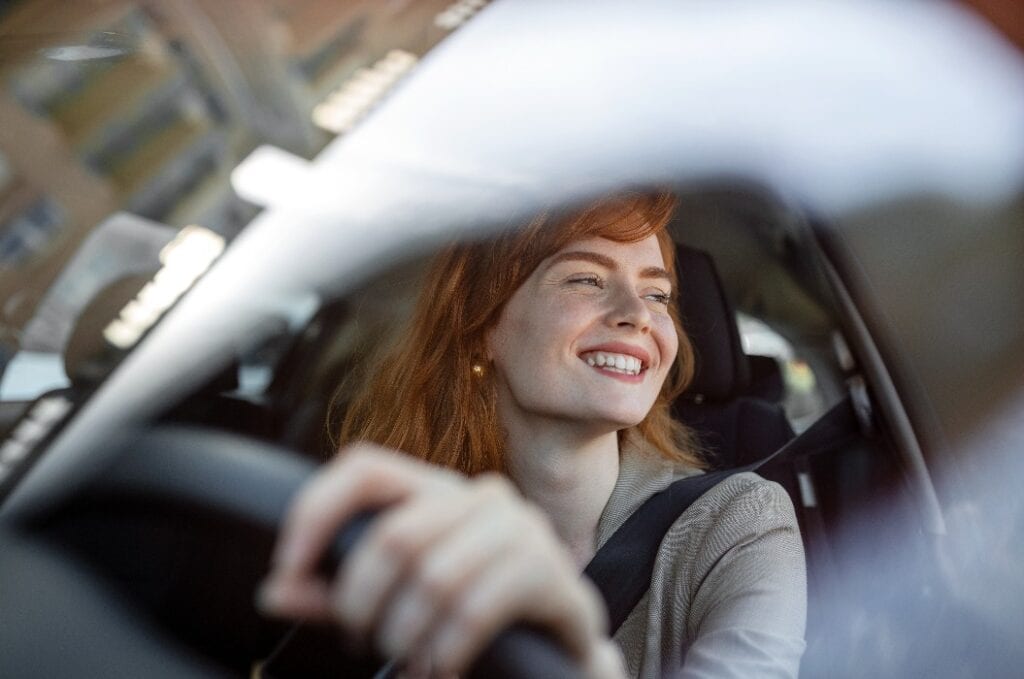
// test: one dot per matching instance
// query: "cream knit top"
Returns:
(728, 595)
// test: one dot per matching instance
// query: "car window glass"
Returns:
(802, 398)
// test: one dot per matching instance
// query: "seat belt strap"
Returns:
(622, 568)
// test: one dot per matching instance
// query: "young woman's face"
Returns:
(587, 338)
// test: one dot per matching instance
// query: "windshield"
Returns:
(122, 123)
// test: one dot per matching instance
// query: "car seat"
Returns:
(732, 402)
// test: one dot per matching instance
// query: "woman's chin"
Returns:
(618, 420)
(590, 419)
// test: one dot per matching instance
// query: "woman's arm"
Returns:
(450, 563)
(748, 612)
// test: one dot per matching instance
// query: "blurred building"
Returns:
(146, 106)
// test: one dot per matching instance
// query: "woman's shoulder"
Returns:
(735, 558)
(745, 495)
(729, 574)
(741, 512)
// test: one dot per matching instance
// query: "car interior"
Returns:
(739, 248)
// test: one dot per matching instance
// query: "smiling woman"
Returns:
(429, 378)
(541, 365)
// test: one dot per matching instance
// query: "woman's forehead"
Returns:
(646, 252)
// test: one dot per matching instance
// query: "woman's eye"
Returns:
(659, 297)
(595, 281)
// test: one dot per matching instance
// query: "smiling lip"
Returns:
(620, 348)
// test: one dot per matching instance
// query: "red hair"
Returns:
(423, 397)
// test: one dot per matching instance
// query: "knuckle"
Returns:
(395, 541)
(443, 480)
(536, 566)
(591, 615)
(533, 517)
(436, 585)
(368, 465)
(536, 518)
(493, 487)
(354, 459)
(310, 503)
(303, 507)
(351, 453)
(590, 600)
(362, 455)
(472, 618)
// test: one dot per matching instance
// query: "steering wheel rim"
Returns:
(218, 474)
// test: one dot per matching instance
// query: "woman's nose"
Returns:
(629, 309)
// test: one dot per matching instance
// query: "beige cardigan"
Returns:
(728, 596)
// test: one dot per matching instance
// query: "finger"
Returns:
(390, 550)
(517, 590)
(295, 599)
(441, 577)
(605, 661)
(364, 476)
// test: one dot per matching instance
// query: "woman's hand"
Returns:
(450, 563)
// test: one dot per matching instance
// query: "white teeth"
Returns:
(620, 363)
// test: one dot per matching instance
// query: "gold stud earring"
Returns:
(478, 370)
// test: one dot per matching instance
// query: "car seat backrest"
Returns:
(724, 403)
(721, 370)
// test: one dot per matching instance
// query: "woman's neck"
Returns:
(569, 475)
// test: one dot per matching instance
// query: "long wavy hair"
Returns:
(423, 397)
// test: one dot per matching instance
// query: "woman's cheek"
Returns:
(574, 315)
(667, 340)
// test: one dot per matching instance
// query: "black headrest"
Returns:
(722, 371)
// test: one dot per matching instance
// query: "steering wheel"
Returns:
(153, 569)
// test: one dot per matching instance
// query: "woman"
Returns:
(535, 386)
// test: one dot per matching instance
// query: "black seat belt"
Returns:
(622, 568)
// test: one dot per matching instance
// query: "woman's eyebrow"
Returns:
(606, 262)
(584, 256)
(655, 272)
